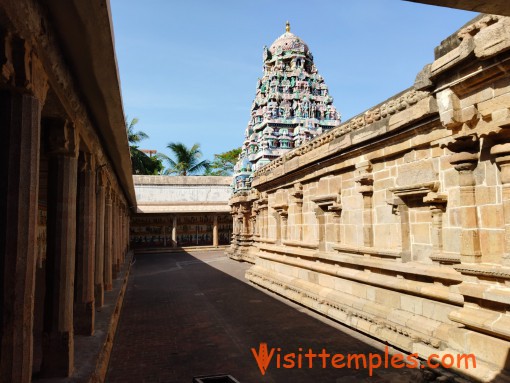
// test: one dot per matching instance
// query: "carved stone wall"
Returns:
(397, 222)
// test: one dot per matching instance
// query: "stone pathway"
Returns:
(187, 315)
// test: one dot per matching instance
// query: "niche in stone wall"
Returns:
(414, 182)
(415, 220)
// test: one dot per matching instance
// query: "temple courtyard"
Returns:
(188, 314)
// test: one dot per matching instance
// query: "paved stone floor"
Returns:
(191, 314)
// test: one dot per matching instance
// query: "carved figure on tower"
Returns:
(291, 107)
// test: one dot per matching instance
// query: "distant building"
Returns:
(149, 152)
(176, 211)
(292, 105)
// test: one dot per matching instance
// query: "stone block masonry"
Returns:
(397, 222)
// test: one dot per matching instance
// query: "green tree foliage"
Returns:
(223, 163)
(141, 163)
(186, 160)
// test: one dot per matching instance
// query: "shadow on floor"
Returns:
(189, 314)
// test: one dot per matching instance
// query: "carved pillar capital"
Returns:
(101, 177)
(108, 194)
(86, 162)
(465, 150)
(501, 152)
(21, 68)
(364, 177)
(62, 137)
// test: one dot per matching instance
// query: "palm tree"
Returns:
(186, 159)
(134, 137)
(140, 162)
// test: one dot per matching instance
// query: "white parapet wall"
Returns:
(182, 194)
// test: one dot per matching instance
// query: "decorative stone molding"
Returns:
(325, 302)
(472, 29)
(482, 270)
(391, 107)
(419, 190)
(329, 203)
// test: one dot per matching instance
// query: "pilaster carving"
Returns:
(465, 159)
(437, 203)
(365, 180)
(501, 152)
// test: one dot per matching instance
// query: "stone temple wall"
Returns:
(397, 222)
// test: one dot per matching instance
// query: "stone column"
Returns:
(297, 199)
(321, 224)
(244, 222)
(19, 187)
(266, 222)
(85, 246)
(282, 218)
(337, 214)
(437, 207)
(58, 344)
(100, 244)
(108, 240)
(366, 189)
(174, 231)
(115, 236)
(400, 208)
(125, 233)
(464, 159)
(502, 154)
(256, 219)
(215, 230)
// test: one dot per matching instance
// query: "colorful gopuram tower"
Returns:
(292, 105)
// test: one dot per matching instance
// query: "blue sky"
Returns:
(189, 68)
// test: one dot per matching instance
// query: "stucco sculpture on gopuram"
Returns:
(292, 105)
(397, 222)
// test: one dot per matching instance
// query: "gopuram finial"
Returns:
(287, 27)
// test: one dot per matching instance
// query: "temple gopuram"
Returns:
(292, 105)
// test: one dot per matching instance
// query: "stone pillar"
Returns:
(465, 159)
(502, 154)
(124, 231)
(85, 246)
(108, 240)
(400, 208)
(297, 199)
(337, 214)
(215, 230)
(285, 217)
(116, 237)
(58, 344)
(244, 223)
(115, 248)
(100, 244)
(437, 207)
(174, 231)
(282, 219)
(266, 222)
(366, 189)
(321, 222)
(256, 219)
(19, 186)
